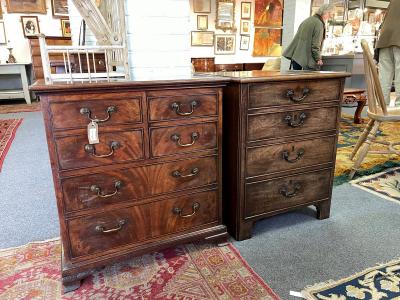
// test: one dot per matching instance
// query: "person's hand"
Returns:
(320, 62)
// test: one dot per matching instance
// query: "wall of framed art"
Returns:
(239, 24)
(22, 18)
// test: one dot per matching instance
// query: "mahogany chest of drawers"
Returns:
(152, 181)
(280, 135)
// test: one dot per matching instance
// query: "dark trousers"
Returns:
(295, 66)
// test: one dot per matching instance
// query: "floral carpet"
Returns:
(377, 283)
(373, 163)
(7, 134)
(192, 271)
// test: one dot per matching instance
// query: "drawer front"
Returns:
(267, 196)
(181, 139)
(183, 105)
(289, 123)
(104, 189)
(284, 157)
(116, 147)
(295, 92)
(92, 234)
(176, 215)
(110, 112)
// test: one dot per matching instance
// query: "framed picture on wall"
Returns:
(244, 42)
(224, 44)
(1, 12)
(202, 22)
(65, 27)
(59, 8)
(377, 3)
(202, 6)
(244, 27)
(245, 10)
(30, 25)
(26, 6)
(202, 38)
(3, 38)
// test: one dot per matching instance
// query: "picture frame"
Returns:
(26, 6)
(65, 27)
(202, 6)
(245, 10)
(202, 38)
(30, 25)
(202, 22)
(3, 37)
(59, 8)
(244, 42)
(245, 27)
(225, 18)
(377, 3)
(225, 44)
(268, 13)
(1, 12)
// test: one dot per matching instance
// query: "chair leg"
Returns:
(364, 149)
(362, 138)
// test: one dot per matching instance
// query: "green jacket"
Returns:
(390, 31)
(305, 49)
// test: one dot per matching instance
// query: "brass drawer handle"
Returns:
(299, 155)
(176, 106)
(92, 150)
(178, 211)
(290, 95)
(109, 111)
(177, 139)
(284, 190)
(102, 229)
(97, 189)
(178, 174)
(291, 121)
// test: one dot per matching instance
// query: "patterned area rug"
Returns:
(16, 108)
(377, 283)
(7, 134)
(193, 271)
(385, 184)
(373, 163)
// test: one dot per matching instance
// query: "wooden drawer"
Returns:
(118, 147)
(103, 189)
(289, 123)
(184, 213)
(269, 94)
(126, 226)
(183, 105)
(292, 155)
(89, 235)
(76, 114)
(281, 193)
(181, 139)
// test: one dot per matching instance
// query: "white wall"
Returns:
(12, 22)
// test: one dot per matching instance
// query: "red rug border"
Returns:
(4, 154)
(250, 269)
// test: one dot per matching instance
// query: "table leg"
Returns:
(357, 114)
(25, 85)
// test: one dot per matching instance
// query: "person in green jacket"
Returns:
(304, 51)
(389, 51)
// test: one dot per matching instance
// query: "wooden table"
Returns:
(20, 69)
(353, 96)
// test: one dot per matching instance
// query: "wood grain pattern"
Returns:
(269, 94)
(280, 193)
(291, 123)
(71, 149)
(67, 115)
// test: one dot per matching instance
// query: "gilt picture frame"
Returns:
(202, 22)
(59, 8)
(202, 38)
(202, 6)
(245, 12)
(26, 6)
(65, 27)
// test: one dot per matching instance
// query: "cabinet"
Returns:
(280, 135)
(152, 181)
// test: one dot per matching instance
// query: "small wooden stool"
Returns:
(352, 96)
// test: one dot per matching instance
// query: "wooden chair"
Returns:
(377, 112)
